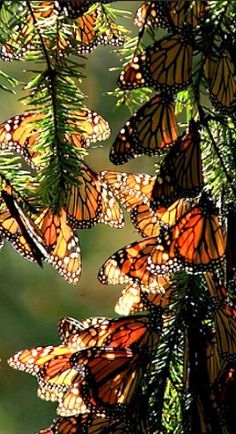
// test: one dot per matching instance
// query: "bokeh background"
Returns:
(33, 300)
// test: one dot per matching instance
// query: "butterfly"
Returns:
(82, 33)
(134, 299)
(221, 374)
(171, 15)
(69, 376)
(150, 15)
(113, 377)
(82, 368)
(23, 133)
(134, 192)
(90, 424)
(86, 34)
(130, 189)
(130, 265)
(89, 201)
(165, 66)
(132, 332)
(181, 173)
(17, 227)
(196, 241)
(61, 242)
(150, 130)
(223, 85)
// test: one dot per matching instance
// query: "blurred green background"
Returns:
(33, 300)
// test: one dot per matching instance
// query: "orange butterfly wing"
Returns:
(199, 240)
(148, 132)
(92, 127)
(100, 368)
(87, 35)
(223, 86)
(130, 189)
(90, 202)
(166, 66)
(134, 299)
(20, 135)
(130, 264)
(181, 172)
(127, 332)
(62, 242)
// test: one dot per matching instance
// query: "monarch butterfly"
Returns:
(146, 221)
(133, 299)
(130, 189)
(223, 85)
(209, 67)
(134, 192)
(132, 332)
(115, 376)
(181, 172)
(20, 133)
(130, 264)
(166, 65)
(62, 243)
(90, 202)
(222, 378)
(84, 35)
(147, 132)
(171, 15)
(196, 241)
(88, 35)
(65, 374)
(20, 230)
(90, 424)
(149, 222)
(149, 14)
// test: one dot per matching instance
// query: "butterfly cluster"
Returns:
(79, 30)
(38, 229)
(167, 67)
(45, 235)
(96, 373)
